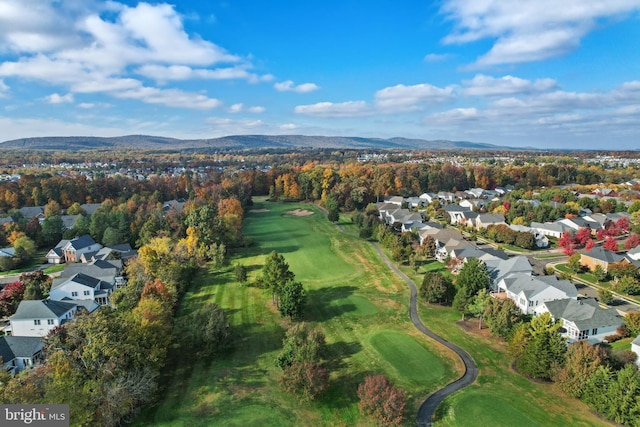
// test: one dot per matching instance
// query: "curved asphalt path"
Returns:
(428, 407)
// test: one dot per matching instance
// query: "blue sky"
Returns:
(537, 73)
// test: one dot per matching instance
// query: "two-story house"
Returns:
(36, 318)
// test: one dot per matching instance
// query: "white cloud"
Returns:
(288, 126)
(330, 109)
(55, 98)
(436, 57)
(456, 115)
(162, 73)
(529, 30)
(401, 98)
(86, 105)
(3, 89)
(482, 85)
(170, 98)
(239, 108)
(288, 86)
(224, 126)
(235, 108)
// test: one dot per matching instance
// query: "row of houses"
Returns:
(80, 287)
(511, 277)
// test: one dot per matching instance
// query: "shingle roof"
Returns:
(24, 346)
(584, 313)
(31, 211)
(530, 285)
(499, 268)
(604, 255)
(82, 242)
(90, 208)
(41, 309)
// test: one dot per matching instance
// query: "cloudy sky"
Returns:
(539, 73)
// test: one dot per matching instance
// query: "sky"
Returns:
(527, 73)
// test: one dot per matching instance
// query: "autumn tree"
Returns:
(302, 361)
(381, 400)
(632, 242)
(10, 298)
(502, 315)
(437, 288)
(37, 285)
(582, 360)
(583, 235)
(574, 263)
(611, 244)
(605, 296)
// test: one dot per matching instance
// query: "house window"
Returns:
(583, 335)
(74, 294)
(36, 322)
(86, 292)
(49, 321)
(594, 331)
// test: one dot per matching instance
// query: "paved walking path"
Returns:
(428, 407)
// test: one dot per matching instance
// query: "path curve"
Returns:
(428, 407)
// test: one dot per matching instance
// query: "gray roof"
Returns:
(31, 211)
(531, 285)
(585, 313)
(7, 220)
(80, 278)
(82, 241)
(90, 208)
(604, 255)
(69, 220)
(456, 208)
(636, 341)
(489, 218)
(551, 226)
(101, 270)
(21, 346)
(41, 309)
(500, 268)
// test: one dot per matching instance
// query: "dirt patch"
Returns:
(471, 327)
(259, 210)
(300, 212)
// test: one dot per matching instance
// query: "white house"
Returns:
(529, 292)
(82, 287)
(36, 318)
(19, 353)
(501, 268)
(582, 319)
(635, 347)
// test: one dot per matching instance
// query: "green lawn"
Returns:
(362, 308)
(358, 302)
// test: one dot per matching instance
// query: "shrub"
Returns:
(381, 400)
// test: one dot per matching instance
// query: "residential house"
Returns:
(446, 197)
(90, 208)
(394, 200)
(501, 268)
(56, 255)
(582, 319)
(634, 253)
(36, 318)
(384, 208)
(486, 219)
(635, 347)
(69, 220)
(528, 292)
(476, 193)
(602, 257)
(541, 240)
(415, 202)
(465, 252)
(474, 204)
(428, 197)
(29, 212)
(122, 251)
(457, 213)
(8, 252)
(575, 224)
(551, 229)
(20, 353)
(81, 287)
(176, 205)
(74, 248)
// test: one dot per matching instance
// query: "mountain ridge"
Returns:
(241, 142)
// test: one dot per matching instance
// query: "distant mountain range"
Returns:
(239, 142)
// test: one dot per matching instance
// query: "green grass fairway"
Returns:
(358, 302)
(409, 359)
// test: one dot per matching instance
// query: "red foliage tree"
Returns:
(583, 235)
(381, 400)
(632, 242)
(566, 243)
(611, 244)
(10, 297)
(601, 234)
(590, 244)
(623, 225)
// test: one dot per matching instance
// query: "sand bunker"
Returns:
(300, 212)
(259, 210)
